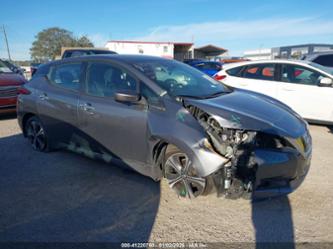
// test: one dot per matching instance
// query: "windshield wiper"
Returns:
(215, 94)
(203, 97)
(188, 96)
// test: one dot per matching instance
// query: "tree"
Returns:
(49, 41)
(83, 41)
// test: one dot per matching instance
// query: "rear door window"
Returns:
(235, 71)
(42, 71)
(67, 54)
(260, 72)
(79, 53)
(66, 75)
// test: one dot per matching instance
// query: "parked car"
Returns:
(13, 67)
(197, 133)
(208, 67)
(9, 88)
(304, 86)
(324, 58)
(75, 52)
(226, 60)
(33, 67)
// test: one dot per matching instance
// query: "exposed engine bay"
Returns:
(237, 176)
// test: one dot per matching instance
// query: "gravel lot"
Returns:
(62, 196)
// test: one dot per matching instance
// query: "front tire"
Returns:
(181, 175)
(36, 134)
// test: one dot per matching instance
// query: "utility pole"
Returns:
(6, 40)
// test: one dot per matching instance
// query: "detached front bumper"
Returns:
(267, 171)
(280, 172)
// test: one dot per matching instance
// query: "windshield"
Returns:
(4, 68)
(179, 79)
(322, 68)
(101, 52)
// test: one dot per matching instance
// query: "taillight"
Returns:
(220, 77)
(23, 90)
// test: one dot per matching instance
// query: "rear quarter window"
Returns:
(66, 75)
(235, 71)
(42, 70)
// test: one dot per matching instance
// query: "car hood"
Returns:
(11, 79)
(241, 109)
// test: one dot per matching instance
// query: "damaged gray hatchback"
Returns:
(166, 119)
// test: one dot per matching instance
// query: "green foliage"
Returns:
(48, 43)
(83, 41)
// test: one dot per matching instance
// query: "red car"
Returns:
(9, 88)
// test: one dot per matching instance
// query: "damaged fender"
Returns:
(182, 130)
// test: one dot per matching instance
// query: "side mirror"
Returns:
(326, 82)
(129, 97)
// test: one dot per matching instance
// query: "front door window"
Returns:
(104, 80)
(300, 75)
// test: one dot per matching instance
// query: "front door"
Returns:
(120, 127)
(300, 90)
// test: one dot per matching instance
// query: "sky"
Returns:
(235, 25)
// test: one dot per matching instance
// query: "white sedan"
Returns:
(305, 86)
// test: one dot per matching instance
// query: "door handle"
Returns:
(88, 108)
(43, 96)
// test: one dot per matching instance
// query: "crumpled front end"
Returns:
(257, 164)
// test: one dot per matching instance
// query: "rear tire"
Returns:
(36, 134)
(181, 175)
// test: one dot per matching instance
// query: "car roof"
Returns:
(305, 63)
(322, 53)
(317, 54)
(205, 61)
(127, 58)
(86, 49)
(245, 63)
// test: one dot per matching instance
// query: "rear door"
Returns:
(300, 90)
(120, 127)
(259, 77)
(58, 98)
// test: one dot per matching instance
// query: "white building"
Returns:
(287, 52)
(259, 54)
(171, 50)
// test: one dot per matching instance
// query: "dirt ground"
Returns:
(61, 196)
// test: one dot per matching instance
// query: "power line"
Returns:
(6, 40)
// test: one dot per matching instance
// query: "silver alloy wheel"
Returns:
(182, 177)
(36, 135)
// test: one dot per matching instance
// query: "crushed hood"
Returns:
(242, 109)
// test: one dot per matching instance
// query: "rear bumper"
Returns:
(8, 104)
